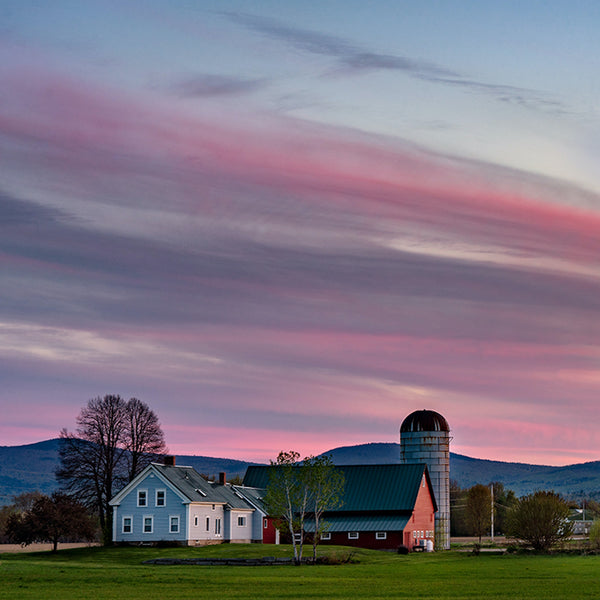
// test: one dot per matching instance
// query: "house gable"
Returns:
(171, 503)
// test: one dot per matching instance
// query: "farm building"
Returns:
(175, 503)
(425, 438)
(384, 506)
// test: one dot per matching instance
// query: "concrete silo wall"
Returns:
(433, 449)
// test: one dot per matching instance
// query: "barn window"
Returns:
(174, 524)
(265, 523)
(142, 498)
(148, 524)
(353, 535)
(241, 521)
(381, 535)
(127, 525)
(326, 536)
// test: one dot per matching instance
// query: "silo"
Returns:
(425, 438)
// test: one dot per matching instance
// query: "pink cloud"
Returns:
(281, 268)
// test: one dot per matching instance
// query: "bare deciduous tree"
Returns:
(144, 438)
(109, 448)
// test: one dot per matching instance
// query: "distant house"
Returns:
(384, 506)
(175, 503)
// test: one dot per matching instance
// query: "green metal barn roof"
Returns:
(341, 523)
(366, 487)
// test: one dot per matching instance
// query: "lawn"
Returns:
(118, 573)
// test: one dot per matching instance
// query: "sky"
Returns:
(287, 225)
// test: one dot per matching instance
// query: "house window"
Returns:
(213, 507)
(217, 526)
(127, 525)
(148, 524)
(174, 524)
(142, 499)
(196, 521)
(353, 535)
(326, 536)
(381, 535)
(207, 523)
(241, 521)
(161, 497)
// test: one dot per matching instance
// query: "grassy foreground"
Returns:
(103, 573)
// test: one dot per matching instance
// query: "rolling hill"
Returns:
(581, 479)
(31, 467)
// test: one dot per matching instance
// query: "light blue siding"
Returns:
(160, 515)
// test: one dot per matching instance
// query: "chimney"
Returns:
(169, 460)
(222, 478)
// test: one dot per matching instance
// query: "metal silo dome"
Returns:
(424, 420)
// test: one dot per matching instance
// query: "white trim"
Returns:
(381, 535)
(156, 492)
(151, 517)
(353, 535)
(146, 503)
(178, 521)
(151, 468)
(242, 521)
(130, 517)
(326, 535)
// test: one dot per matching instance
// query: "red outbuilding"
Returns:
(383, 507)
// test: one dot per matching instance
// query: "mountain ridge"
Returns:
(31, 467)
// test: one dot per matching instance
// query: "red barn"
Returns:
(384, 506)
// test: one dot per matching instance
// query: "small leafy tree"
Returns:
(595, 534)
(540, 520)
(296, 490)
(51, 519)
(285, 498)
(503, 501)
(479, 510)
(325, 486)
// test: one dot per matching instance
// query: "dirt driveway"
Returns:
(38, 547)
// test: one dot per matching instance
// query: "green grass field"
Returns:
(118, 573)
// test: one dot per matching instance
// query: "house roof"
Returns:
(190, 485)
(337, 523)
(391, 487)
(252, 495)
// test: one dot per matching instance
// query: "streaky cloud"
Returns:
(352, 59)
(203, 85)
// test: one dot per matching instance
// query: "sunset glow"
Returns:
(289, 228)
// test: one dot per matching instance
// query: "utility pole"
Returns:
(492, 507)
